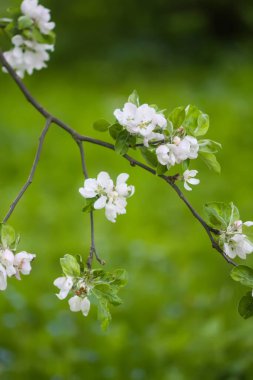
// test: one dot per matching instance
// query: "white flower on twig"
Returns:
(188, 177)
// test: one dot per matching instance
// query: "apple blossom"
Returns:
(65, 284)
(142, 120)
(109, 196)
(238, 245)
(39, 14)
(22, 263)
(179, 150)
(27, 55)
(188, 177)
(77, 303)
(7, 260)
(3, 278)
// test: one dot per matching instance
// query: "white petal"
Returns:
(75, 303)
(85, 306)
(187, 187)
(248, 224)
(103, 179)
(100, 202)
(122, 178)
(194, 181)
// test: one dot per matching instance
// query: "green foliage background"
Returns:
(179, 320)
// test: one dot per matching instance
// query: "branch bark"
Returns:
(81, 138)
(32, 172)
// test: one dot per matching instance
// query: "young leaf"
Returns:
(210, 160)
(243, 274)
(70, 266)
(202, 125)
(103, 313)
(149, 156)
(209, 146)
(121, 144)
(245, 307)
(177, 117)
(196, 122)
(101, 125)
(120, 277)
(8, 235)
(24, 22)
(88, 206)
(134, 98)
(185, 164)
(115, 130)
(221, 215)
(161, 169)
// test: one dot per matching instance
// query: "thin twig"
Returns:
(79, 138)
(93, 250)
(32, 172)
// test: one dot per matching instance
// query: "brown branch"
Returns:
(32, 172)
(79, 138)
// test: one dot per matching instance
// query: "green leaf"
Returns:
(243, 274)
(115, 130)
(79, 259)
(89, 202)
(210, 160)
(185, 164)
(101, 125)
(108, 292)
(245, 307)
(161, 169)
(8, 236)
(149, 155)
(103, 312)
(177, 117)
(121, 144)
(24, 22)
(120, 277)
(196, 122)
(70, 266)
(209, 146)
(203, 125)
(220, 215)
(134, 98)
(35, 34)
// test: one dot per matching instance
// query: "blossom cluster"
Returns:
(13, 264)
(142, 121)
(105, 194)
(27, 53)
(170, 141)
(79, 301)
(236, 242)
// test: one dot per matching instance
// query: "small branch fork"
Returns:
(79, 139)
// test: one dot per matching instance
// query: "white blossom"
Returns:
(188, 176)
(179, 150)
(142, 120)
(22, 263)
(3, 278)
(27, 55)
(65, 284)
(109, 196)
(79, 304)
(7, 260)
(238, 245)
(39, 14)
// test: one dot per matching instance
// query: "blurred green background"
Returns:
(179, 319)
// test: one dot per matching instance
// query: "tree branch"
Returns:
(32, 172)
(93, 250)
(80, 138)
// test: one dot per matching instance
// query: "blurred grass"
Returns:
(179, 320)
